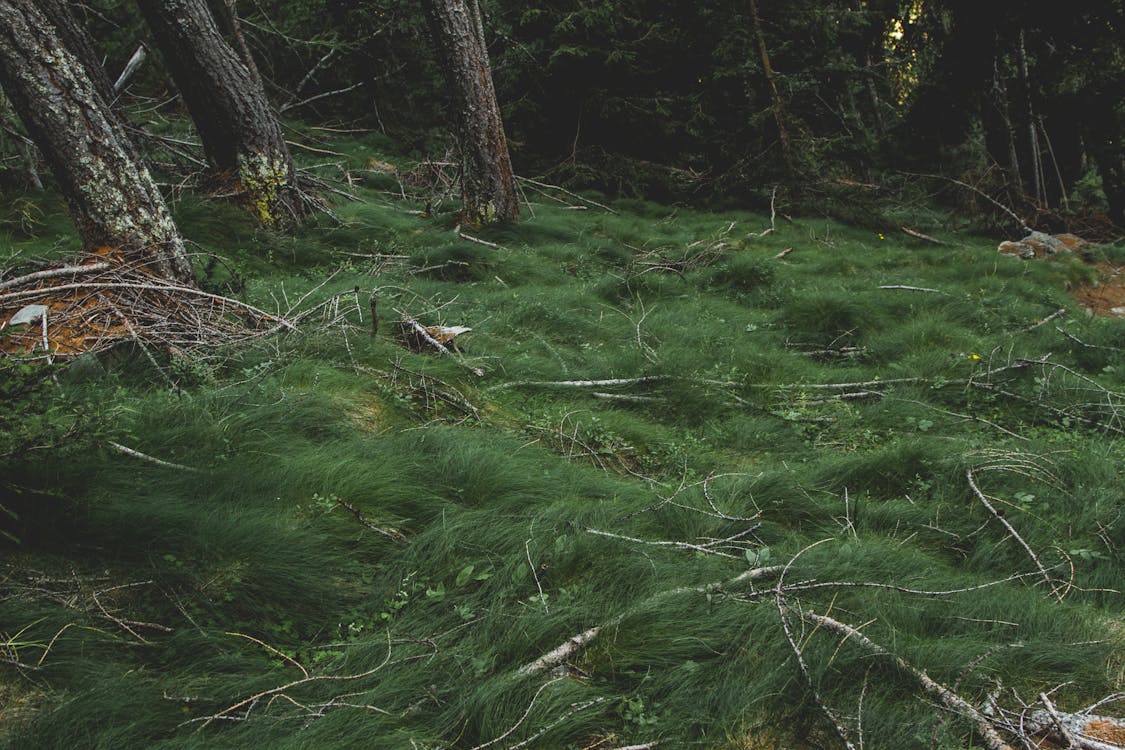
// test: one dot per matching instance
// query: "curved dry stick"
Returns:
(779, 600)
(947, 697)
(1015, 534)
(526, 713)
(52, 272)
(282, 323)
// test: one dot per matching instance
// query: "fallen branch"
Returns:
(1056, 314)
(150, 459)
(663, 543)
(606, 383)
(576, 196)
(919, 235)
(914, 289)
(1011, 530)
(574, 644)
(984, 725)
(54, 272)
(394, 535)
(411, 328)
(479, 241)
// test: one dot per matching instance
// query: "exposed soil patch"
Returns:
(1105, 298)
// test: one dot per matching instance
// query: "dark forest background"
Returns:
(720, 101)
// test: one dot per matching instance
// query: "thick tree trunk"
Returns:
(112, 197)
(77, 42)
(488, 186)
(239, 130)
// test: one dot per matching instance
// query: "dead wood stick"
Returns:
(561, 653)
(526, 713)
(1071, 743)
(919, 235)
(420, 331)
(773, 217)
(272, 650)
(944, 695)
(576, 643)
(53, 272)
(833, 386)
(1011, 530)
(318, 97)
(981, 193)
(914, 289)
(479, 241)
(564, 190)
(848, 396)
(575, 708)
(1056, 314)
(145, 457)
(779, 602)
(664, 543)
(393, 534)
(606, 383)
(130, 68)
(152, 288)
(1073, 728)
(624, 397)
(252, 700)
(799, 587)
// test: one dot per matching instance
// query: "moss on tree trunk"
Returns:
(488, 186)
(239, 130)
(112, 197)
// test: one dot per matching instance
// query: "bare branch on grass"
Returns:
(986, 502)
(985, 726)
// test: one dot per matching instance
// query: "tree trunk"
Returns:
(771, 81)
(488, 187)
(113, 199)
(239, 130)
(1036, 161)
(77, 42)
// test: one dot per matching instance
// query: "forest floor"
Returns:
(692, 480)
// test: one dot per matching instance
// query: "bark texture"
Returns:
(112, 197)
(239, 130)
(488, 187)
(74, 37)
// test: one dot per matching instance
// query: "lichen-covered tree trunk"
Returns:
(113, 199)
(77, 42)
(239, 130)
(488, 187)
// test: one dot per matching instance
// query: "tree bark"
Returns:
(112, 198)
(771, 81)
(239, 130)
(77, 42)
(488, 186)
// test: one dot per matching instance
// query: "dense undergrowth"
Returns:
(374, 541)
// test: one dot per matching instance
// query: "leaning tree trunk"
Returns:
(113, 199)
(77, 42)
(488, 187)
(771, 80)
(240, 132)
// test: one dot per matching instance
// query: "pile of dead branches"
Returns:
(102, 300)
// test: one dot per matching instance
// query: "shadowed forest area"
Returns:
(592, 374)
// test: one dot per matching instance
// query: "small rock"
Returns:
(1041, 244)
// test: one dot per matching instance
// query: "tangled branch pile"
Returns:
(103, 300)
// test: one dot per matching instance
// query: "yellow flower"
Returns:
(974, 357)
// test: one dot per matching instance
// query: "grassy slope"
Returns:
(256, 545)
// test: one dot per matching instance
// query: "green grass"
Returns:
(488, 488)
